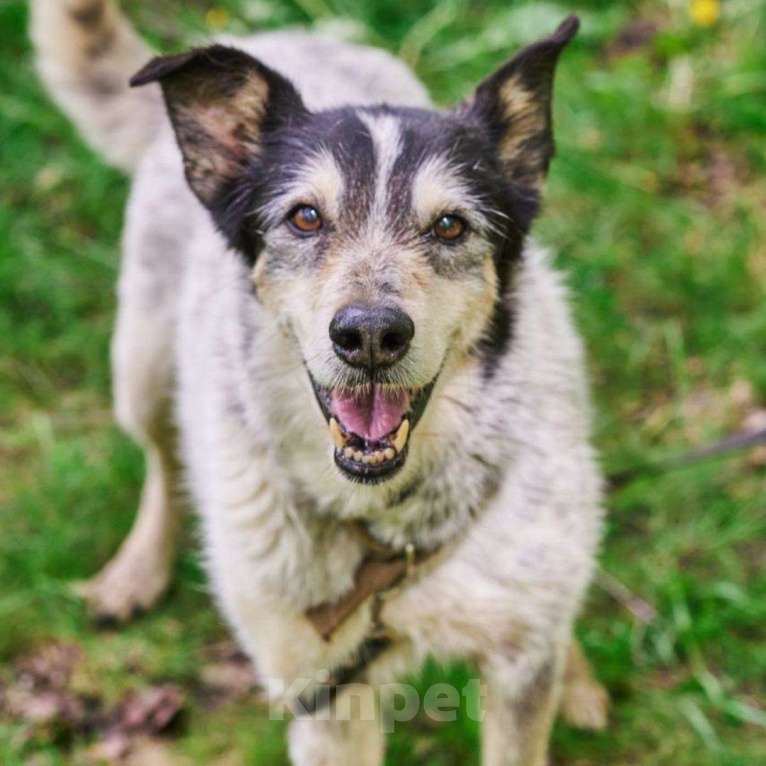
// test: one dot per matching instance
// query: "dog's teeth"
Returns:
(378, 456)
(401, 435)
(336, 434)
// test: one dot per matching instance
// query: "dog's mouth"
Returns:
(370, 426)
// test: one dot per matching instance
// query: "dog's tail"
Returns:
(86, 53)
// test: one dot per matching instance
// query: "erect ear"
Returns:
(514, 103)
(221, 103)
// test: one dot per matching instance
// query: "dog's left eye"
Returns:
(449, 228)
(306, 219)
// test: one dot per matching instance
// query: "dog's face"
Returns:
(382, 239)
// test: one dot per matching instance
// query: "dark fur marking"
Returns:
(105, 86)
(90, 15)
(351, 145)
(408, 491)
(386, 288)
(532, 700)
(498, 331)
(101, 44)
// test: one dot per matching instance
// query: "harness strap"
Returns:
(325, 695)
(371, 577)
(381, 569)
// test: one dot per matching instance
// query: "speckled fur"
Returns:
(500, 472)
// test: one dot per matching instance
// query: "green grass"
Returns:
(656, 207)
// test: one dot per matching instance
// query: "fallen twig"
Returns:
(641, 609)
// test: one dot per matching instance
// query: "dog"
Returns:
(335, 330)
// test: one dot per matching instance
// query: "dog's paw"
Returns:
(585, 705)
(123, 590)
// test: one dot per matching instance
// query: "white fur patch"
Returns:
(386, 138)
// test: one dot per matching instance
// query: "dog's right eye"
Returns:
(305, 219)
(449, 228)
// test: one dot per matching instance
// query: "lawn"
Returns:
(656, 206)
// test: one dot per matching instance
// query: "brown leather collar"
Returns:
(381, 569)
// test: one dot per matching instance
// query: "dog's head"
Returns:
(384, 238)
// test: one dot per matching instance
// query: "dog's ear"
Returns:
(514, 104)
(221, 102)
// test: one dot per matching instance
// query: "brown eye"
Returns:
(306, 219)
(449, 228)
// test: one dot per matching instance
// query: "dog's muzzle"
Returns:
(370, 421)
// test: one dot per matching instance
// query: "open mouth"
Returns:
(370, 426)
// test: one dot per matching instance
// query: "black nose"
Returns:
(371, 336)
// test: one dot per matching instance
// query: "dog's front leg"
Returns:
(349, 732)
(519, 705)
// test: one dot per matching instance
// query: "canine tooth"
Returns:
(358, 456)
(401, 435)
(389, 453)
(336, 434)
(348, 452)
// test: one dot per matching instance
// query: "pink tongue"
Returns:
(372, 413)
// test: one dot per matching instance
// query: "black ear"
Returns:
(515, 105)
(221, 103)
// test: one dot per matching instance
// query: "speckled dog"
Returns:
(379, 394)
